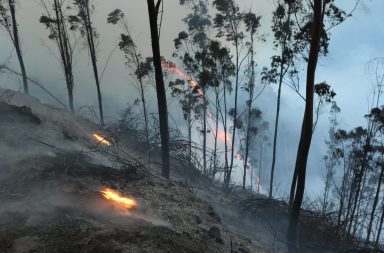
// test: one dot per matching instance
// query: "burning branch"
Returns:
(116, 198)
(101, 139)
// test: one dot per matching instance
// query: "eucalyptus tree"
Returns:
(229, 22)
(291, 26)
(248, 130)
(56, 20)
(83, 23)
(9, 22)
(307, 126)
(252, 23)
(190, 101)
(192, 49)
(225, 71)
(153, 13)
(135, 61)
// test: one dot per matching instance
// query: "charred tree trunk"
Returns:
(228, 179)
(249, 105)
(92, 52)
(64, 48)
(153, 12)
(205, 134)
(380, 226)
(375, 202)
(306, 131)
(16, 43)
(275, 134)
(216, 132)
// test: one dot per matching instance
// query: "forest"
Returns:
(191, 126)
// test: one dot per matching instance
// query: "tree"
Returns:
(252, 23)
(58, 25)
(225, 70)
(282, 27)
(82, 22)
(196, 58)
(229, 22)
(153, 12)
(11, 26)
(135, 61)
(307, 126)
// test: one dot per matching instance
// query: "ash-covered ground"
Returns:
(52, 170)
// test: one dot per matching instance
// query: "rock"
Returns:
(215, 233)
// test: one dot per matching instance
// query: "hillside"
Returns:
(54, 171)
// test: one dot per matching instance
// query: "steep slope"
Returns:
(52, 172)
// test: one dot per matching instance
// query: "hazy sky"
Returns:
(352, 45)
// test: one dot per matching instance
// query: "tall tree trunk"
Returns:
(375, 202)
(153, 12)
(226, 169)
(346, 175)
(275, 135)
(216, 132)
(281, 76)
(380, 226)
(234, 117)
(64, 48)
(146, 130)
(306, 131)
(205, 134)
(92, 51)
(249, 104)
(16, 43)
(260, 166)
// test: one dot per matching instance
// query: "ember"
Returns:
(101, 139)
(116, 198)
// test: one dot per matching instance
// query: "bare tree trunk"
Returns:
(92, 51)
(306, 131)
(275, 135)
(281, 76)
(226, 170)
(205, 135)
(228, 179)
(380, 226)
(375, 202)
(216, 131)
(153, 12)
(249, 104)
(145, 119)
(260, 166)
(16, 43)
(64, 48)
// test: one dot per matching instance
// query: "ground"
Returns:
(52, 171)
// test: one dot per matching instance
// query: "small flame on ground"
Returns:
(101, 139)
(116, 198)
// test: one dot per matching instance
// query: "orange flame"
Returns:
(101, 139)
(124, 202)
(222, 136)
(176, 70)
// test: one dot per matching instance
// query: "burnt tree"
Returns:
(153, 12)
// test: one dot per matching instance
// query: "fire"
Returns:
(101, 139)
(115, 197)
(176, 70)
(222, 136)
